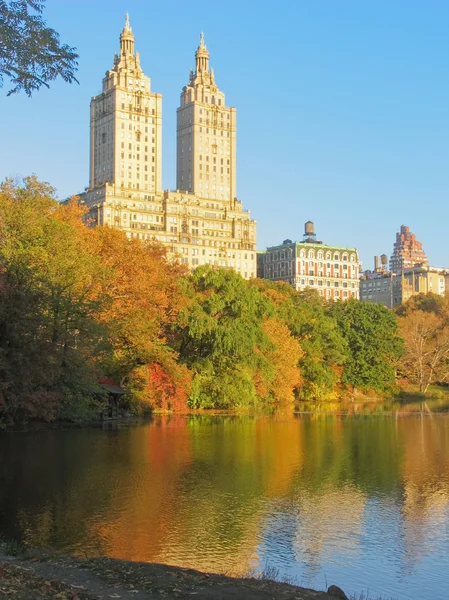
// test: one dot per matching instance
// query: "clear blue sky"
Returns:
(342, 109)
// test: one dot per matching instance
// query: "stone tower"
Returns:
(126, 125)
(407, 251)
(206, 135)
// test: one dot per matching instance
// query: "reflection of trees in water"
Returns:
(206, 492)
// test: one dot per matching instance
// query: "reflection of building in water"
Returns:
(329, 522)
(426, 485)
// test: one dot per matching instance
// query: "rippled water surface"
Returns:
(360, 501)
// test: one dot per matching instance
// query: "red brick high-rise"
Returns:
(407, 251)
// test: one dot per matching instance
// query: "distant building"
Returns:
(407, 251)
(376, 286)
(391, 289)
(331, 270)
(409, 274)
(202, 222)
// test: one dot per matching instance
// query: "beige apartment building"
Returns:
(331, 270)
(391, 289)
(202, 222)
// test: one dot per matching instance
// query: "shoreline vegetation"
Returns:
(85, 307)
(42, 575)
(405, 404)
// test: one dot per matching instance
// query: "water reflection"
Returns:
(362, 501)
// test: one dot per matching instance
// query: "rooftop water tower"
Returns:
(309, 232)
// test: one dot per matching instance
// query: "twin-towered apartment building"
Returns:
(202, 221)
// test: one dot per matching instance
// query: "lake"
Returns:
(360, 500)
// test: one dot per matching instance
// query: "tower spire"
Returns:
(127, 25)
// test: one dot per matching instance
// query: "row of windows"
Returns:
(189, 97)
(320, 283)
(282, 255)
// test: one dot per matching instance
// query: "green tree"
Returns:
(221, 339)
(31, 54)
(374, 343)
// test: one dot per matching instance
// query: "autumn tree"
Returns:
(79, 304)
(48, 301)
(283, 379)
(142, 298)
(31, 54)
(424, 324)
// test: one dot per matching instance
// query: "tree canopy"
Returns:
(31, 54)
(80, 306)
(424, 324)
(373, 341)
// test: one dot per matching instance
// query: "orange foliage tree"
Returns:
(143, 297)
(284, 356)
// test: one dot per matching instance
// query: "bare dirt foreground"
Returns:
(68, 578)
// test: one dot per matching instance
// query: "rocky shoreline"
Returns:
(70, 578)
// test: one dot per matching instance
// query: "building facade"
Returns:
(202, 222)
(331, 270)
(391, 289)
(407, 251)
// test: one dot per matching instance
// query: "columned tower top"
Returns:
(202, 57)
(127, 39)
